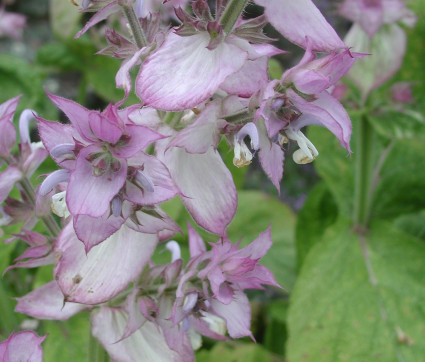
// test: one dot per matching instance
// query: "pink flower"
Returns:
(22, 346)
(11, 24)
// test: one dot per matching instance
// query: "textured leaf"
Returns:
(67, 341)
(360, 299)
(239, 352)
(318, 212)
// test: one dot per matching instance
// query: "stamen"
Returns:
(26, 117)
(144, 181)
(59, 206)
(174, 248)
(243, 155)
(190, 302)
(52, 180)
(116, 206)
(250, 130)
(64, 149)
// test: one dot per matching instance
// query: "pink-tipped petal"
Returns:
(102, 14)
(77, 114)
(8, 178)
(106, 270)
(237, 314)
(88, 194)
(203, 133)
(47, 302)
(183, 73)
(22, 346)
(207, 185)
(196, 244)
(145, 344)
(299, 19)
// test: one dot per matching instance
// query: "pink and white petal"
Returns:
(164, 186)
(325, 111)
(196, 244)
(22, 346)
(123, 79)
(145, 344)
(135, 316)
(267, 50)
(7, 137)
(388, 47)
(296, 20)
(255, 278)
(183, 73)
(203, 133)
(8, 108)
(151, 224)
(104, 128)
(209, 193)
(92, 231)
(47, 302)
(237, 314)
(140, 137)
(106, 270)
(258, 248)
(33, 263)
(34, 160)
(251, 78)
(8, 178)
(77, 114)
(91, 195)
(102, 14)
(34, 252)
(271, 156)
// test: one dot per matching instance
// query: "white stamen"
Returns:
(59, 206)
(26, 117)
(250, 129)
(307, 152)
(174, 248)
(195, 339)
(243, 155)
(52, 180)
(144, 181)
(189, 302)
(215, 323)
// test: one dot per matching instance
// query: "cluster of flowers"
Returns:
(202, 81)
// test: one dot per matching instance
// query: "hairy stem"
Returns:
(231, 14)
(134, 23)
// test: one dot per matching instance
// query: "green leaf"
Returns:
(64, 17)
(256, 211)
(67, 341)
(398, 124)
(360, 299)
(318, 212)
(19, 77)
(413, 224)
(275, 326)
(235, 352)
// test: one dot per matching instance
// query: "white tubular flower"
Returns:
(243, 155)
(59, 204)
(174, 248)
(215, 323)
(307, 152)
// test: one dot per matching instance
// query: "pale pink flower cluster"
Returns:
(198, 83)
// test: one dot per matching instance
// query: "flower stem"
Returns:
(134, 23)
(96, 352)
(48, 220)
(364, 173)
(231, 14)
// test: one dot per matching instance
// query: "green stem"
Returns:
(364, 173)
(136, 28)
(231, 14)
(96, 352)
(8, 321)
